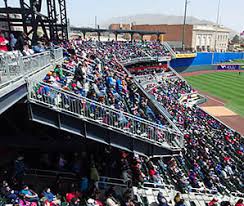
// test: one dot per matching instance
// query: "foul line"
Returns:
(215, 99)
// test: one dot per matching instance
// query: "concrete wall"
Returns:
(195, 68)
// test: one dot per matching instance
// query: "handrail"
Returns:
(23, 65)
(180, 140)
(107, 107)
(176, 73)
(14, 67)
(191, 196)
(168, 47)
(138, 59)
(144, 77)
(82, 107)
(50, 171)
(165, 113)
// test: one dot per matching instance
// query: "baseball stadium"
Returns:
(117, 116)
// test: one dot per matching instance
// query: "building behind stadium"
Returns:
(197, 37)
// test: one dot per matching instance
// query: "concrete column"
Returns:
(131, 36)
(158, 37)
(99, 36)
(84, 34)
(141, 35)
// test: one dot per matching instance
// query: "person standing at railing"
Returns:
(21, 42)
(3, 43)
(12, 42)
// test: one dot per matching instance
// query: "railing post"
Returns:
(52, 53)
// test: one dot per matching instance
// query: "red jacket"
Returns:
(3, 46)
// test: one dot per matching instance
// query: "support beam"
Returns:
(32, 20)
(52, 15)
(63, 19)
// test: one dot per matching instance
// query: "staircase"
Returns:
(168, 47)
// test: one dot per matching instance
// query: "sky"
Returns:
(83, 12)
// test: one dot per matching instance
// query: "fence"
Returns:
(57, 54)
(82, 107)
(14, 66)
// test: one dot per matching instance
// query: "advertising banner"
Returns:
(228, 67)
(190, 55)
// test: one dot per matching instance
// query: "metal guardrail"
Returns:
(143, 78)
(178, 139)
(168, 47)
(57, 53)
(14, 66)
(139, 59)
(64, 101)
(199, 198)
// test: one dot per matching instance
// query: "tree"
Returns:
(236, 39)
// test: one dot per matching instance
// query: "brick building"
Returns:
(120, 26)
(173, 33)
(197, 37)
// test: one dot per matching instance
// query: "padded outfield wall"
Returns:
(203, 61)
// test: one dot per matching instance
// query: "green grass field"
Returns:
(228, 86)
(239, 61)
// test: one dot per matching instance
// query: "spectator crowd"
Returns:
(212, 159)
(213, 154)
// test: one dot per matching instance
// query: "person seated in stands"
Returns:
(71, 195)
(29, 195)
(110, 200)
(59, 71)
(178, 200)
(3, 190)
(27, 51)
(74, 202)
(129, 202)
(11, 195)
(49, 198)
(213, 202)
(225, 203)
(38, 48)
(162, 200)
(240, 202)
(3, 43)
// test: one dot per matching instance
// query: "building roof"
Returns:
(116, 31)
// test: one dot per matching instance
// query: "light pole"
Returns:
(184, 25)
(216, 31)
(95, 22)
(217, 25)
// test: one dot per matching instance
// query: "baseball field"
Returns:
(226, 86)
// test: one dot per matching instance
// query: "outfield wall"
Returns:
(203, 61)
